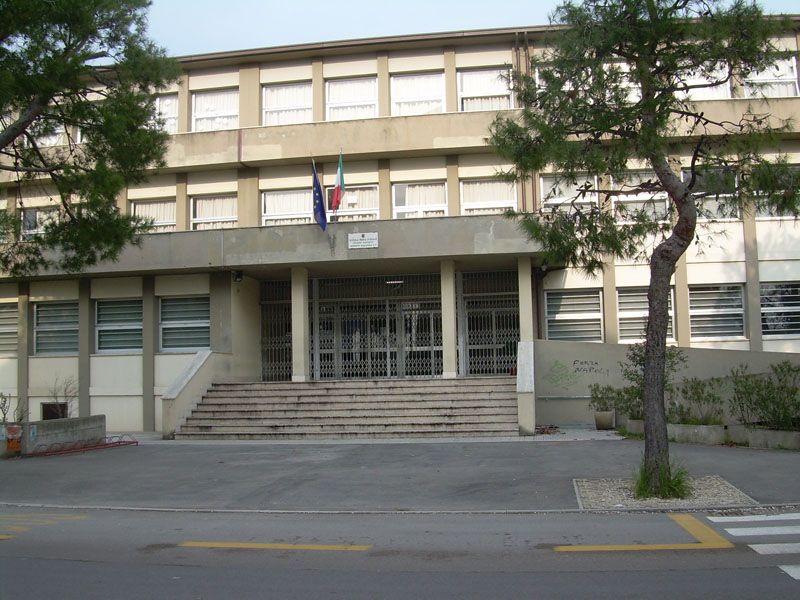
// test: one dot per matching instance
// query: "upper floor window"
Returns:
(574, 316)
(426, 199)
(713, 191)
(716, 311)
(286, 207)
(35, 219)
(640, 191)
(213, 212)
(360, 203)
(215, 109)
(118, 325)
(162, 212)
(55, 328)
(348, 99)
(9, 320)
(780, 309)
(696, 85)
(561, 194)
(167, 111)
(287, 103)
(487, 196)
(483, 89)
(417, 94)
(777, 81)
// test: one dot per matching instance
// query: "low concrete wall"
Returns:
(53, 431)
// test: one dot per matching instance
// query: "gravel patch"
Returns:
(617, 494)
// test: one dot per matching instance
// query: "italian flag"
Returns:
(338, 190)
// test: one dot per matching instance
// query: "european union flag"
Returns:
(319, 201)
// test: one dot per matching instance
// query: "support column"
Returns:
(449, 340)
(248, 202)
(384, 190)
(149, 337)
(220, 311)
(453, 187)
(249, 96)
(526, 396)
(753, 282)
(300, 371)
(683, 329)
(317, 91)
(184, 104)
(384, 92)
(182, 207)
(85, 343)
(610, 315)
(23, 348)
(450, 81)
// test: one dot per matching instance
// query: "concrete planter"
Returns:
(604, 419)
(757, 437)
(710, 435)
(635, 426)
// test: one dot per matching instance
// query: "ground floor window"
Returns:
(185, 323)
(55, 328)
(574, 315)
(632, 306)
(9, 320)
(118, 325)
(716, 311)
(780, 309)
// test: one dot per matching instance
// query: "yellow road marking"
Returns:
(258, 546)
(5, 537)
(16, 528)
(40, 517)
(29, 521)
(707, 539)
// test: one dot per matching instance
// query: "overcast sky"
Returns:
(186, 27)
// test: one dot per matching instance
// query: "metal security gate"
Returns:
(488, 322)
(395, 331)
(276, 331)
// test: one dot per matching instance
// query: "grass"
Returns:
(623, 431)
(670, 483)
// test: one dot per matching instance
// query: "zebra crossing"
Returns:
(768, 526)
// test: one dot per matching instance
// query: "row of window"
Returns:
(715, 312)
(184, 324)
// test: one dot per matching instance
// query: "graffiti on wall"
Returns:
(567, 374)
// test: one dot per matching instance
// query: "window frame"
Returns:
(393, 77)
(781, 310)
(13, 330)
(644, 198)
(195, 93)
(501, 206)
(590, 199)
(265, 110)
(461, 96)
(158, 100)
(762, 81)
(183, 323)
(303, 217)
(329, 105)
(642, 314)
(574, 316)
(37, 328)
(373, 213)
(706, 312)
(420, 210)
(157, 224)
(228, 219)
(118, 325)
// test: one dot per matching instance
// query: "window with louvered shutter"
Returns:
(118, 325)
(9, 320)
(716, 311)
(632, 307)
(185, 323)
(55, 328)
(574, 316)
(780, 309)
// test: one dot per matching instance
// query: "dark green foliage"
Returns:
(769, 399)
(88, 66)
(672, 482)
(697, 402)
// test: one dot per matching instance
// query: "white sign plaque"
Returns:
(362, 240)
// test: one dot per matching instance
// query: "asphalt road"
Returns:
(127, 554)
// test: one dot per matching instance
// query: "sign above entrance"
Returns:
(362, 240)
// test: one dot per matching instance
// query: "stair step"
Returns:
(352, 427)
(206, 412)
(405, 434)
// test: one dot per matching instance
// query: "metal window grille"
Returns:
(632, 309)
(185, 323)
(118, 325)
(55, 328)
(575, 316)
(716, 311)
(9, 321)
(780, 309)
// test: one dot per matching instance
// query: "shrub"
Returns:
(670, 483)
(603, 397)
(698, 403)
(769, 399)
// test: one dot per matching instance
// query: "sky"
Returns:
(186, 27)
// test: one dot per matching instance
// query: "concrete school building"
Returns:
(418, 275)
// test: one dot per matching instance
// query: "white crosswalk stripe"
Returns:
(766, 529)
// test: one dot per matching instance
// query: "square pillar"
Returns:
(526, 397)
(150, 320)
(85, 345)
(300, 366)
(449, 340)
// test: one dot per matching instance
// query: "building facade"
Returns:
(418, 274)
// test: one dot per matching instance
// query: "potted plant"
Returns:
(603, 401)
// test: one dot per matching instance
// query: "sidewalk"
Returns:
(515, 474)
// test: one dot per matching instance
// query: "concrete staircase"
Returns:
(485, 406)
